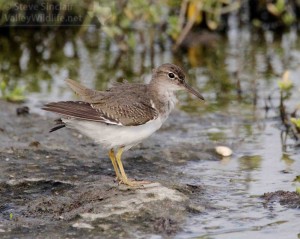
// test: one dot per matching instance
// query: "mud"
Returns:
(285, 198)
(62, 185)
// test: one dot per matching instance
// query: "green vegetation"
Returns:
(289, 118)
(174, 17)
(11, 93)
(296, 123)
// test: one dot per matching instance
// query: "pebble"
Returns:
(196, 208)
(82, 225)
(223, 151)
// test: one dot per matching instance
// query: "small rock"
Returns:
(223, 151)
(196, 208)
(104, 227)
(35, 144)
(134, 204)
(213, 130)
(82, 225)
(285, 198)
(165, 225)
(24, 110)
(10, 151)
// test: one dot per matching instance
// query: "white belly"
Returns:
(113, 136)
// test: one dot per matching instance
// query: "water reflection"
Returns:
(250, 162)
(233, 68)
(287, 160)
(238, 74)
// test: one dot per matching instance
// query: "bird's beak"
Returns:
(194, 92)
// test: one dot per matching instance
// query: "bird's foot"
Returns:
(134, 183)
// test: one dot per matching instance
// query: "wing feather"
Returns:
(79, 110)
(123, 104)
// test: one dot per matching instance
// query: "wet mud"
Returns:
(62, 185)
(285, 198)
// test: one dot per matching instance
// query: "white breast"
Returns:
(172, 101)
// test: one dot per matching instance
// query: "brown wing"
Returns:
(79, 110)
(127, 103)
(124, 104)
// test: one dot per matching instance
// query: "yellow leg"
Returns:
(120, 165)
(114, 163)
(124, 178)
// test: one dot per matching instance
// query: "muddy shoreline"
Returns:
(62, 185)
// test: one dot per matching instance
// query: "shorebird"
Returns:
(123, 115)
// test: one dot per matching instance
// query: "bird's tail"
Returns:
(58, 125)
(77, 88)
(83, 92)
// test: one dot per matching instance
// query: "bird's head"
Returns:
(172, 78)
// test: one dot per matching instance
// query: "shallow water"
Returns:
(236, 74)
(236, 184)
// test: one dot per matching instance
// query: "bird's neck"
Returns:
(164, 99)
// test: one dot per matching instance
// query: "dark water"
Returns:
(237, 73)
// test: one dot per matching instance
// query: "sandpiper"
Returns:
(125, 114)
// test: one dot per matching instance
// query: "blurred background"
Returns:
(227, 47)
(243, 56)
(243, 53)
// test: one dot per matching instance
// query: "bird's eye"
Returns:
(171, 75)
